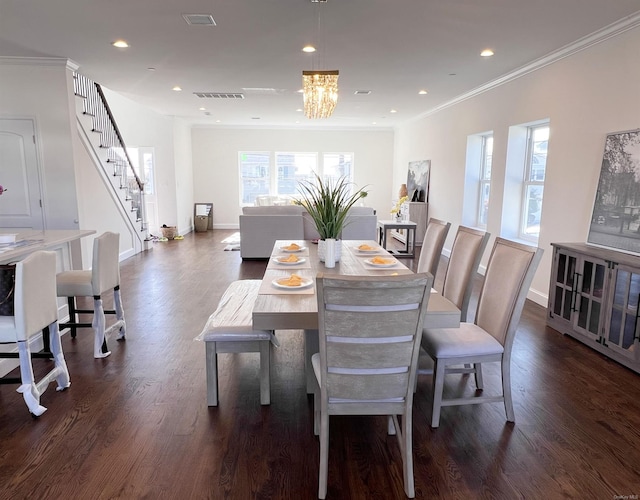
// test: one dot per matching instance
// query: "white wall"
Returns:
(184, 175)
(39, 89)
(585, 96)
(143, 127)
(215, 162)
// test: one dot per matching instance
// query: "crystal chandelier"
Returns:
(320, 92)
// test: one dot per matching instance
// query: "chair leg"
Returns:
(477, 370)
(99, 345)
(71, 303)
(407, 456)
(438, 388)
(117, 302)
(316, 411)
(58, 357)
(28, 388)
(506, 391)
(324, 456)
(265, 369)
(391, 427)
(212, 373)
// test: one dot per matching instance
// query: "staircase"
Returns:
(105, 145)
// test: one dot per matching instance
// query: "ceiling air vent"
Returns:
(199, 19)
(219, 95)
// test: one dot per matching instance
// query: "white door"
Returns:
(21, 203)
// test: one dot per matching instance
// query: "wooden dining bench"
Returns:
(229, 329)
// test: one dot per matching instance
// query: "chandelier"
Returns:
(320, 93)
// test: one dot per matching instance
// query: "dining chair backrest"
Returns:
(105, 268)
(431, 249)
(369, 331)
(466, 252)
(36, 305)
(507, 279)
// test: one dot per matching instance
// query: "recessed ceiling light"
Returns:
(177, 88)
(217, 121)
(151, 69)
(486, 53)
(299, 110)
(422, 92)
(202, 109)
(121, 44)
(393, 111)
(374, 123)
(300, 91)
(309, 49)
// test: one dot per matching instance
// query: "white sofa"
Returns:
(260, 227)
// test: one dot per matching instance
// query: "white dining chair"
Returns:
(102, 278)
(490, 337)
(369, 333)
(35, 308)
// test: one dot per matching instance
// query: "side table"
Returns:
(410, 242)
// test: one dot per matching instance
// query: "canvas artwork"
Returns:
(418, 180)
(615, 222)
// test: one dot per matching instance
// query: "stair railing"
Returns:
(96, 106)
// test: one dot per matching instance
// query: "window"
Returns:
(278, 174)
(294, 167)
(477, 179)
(254, 176)
(533, 185)
(485, 180)
(336, 165)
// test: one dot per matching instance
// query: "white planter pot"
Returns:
(322, 251)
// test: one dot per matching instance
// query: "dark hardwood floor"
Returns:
(136, 424)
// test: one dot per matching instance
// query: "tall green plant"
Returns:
(328, 203)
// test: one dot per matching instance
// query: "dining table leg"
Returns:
(311, 346)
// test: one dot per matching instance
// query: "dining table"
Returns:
(282, 307)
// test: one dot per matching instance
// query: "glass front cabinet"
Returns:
(594, 296)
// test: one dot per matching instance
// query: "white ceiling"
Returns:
(391, 47)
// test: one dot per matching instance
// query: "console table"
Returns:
(410, 241)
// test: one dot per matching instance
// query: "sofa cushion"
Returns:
(274, 210)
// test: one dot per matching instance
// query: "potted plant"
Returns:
(328, 203)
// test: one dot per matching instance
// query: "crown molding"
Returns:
(611, 31)
(39, 61)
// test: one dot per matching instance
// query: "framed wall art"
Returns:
(418, 180)
(615, 221)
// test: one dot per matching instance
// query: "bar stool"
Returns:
(36, 308)
(103, 277)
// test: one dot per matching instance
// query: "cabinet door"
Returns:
(622, 334)
(563, 288)
(589, 312)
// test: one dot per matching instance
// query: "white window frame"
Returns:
(484, 182)
(321, 159)
(529, 183)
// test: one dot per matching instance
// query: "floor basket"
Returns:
(169, 232)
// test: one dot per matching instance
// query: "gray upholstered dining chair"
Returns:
(432, 244)
(468, 246)
(102, 278)
(369, 333)
(36, 308)
(490, 337)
